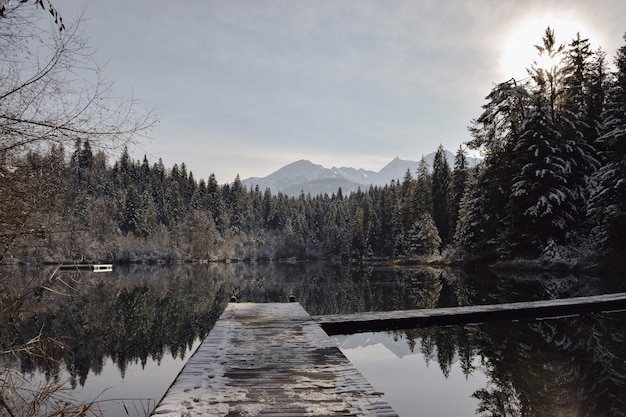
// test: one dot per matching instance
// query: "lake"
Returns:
(128, 334)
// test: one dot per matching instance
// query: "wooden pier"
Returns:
(86, 267)
(270, 360)
(406, 319)
(275, 360)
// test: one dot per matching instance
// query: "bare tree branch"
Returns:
(51, 91)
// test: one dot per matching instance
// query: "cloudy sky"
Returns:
(247, 86)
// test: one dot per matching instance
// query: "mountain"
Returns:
(305, 176)
(398, 346)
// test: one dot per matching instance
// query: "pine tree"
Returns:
(362, 224)
(173, 204)
(158, 181)
(541, 200)
(424, 189)
(460, 176)
(607, 204)
(337, 244)
(216, 204)
(81, 164)
(578, 123)
(441, 180)
(123, 175)
(423, 237)
(148, 221)
(469, 233)
(495, 134)
(237, 204)
(576, 78)
(132, 218)
(548, 73)
(409, 200)
(598, 79)
(391, 228)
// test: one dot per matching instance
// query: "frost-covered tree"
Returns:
(541, 201)
(576, 77)
(52, 96)
(419, 230)
(424, 189)
(469, 230)
(409, 202)
(391, 236)
(131, 212)
(460, 175)
(607, 204)
(216, 204)
(538, 143)
(173, 204)
(362, 225)
(441, 179)
(422, 239)
(495, 133)
(578, 116)
(552, 156)
(148, 221)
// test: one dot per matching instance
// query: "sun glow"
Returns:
(545, 61)
(519, 52)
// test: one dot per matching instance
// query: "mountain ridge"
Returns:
(304, 176)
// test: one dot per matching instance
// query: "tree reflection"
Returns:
(573, 366)
(565, 366)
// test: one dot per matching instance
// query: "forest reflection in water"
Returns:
(141, 323)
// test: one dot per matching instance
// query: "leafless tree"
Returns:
(52, 93)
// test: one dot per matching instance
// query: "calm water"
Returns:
(130, 332)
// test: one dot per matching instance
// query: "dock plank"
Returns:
(270, 360)
(403, 319)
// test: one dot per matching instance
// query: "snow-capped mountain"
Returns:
(305, 176)
(394, 343)
(398, 346)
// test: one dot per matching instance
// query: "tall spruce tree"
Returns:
(409, 202)
(495, 133)
(441, 182)
(578, 121)
(540, 193)
(460, 176)
(548, 73)
(421, 235)
(607, 203)
(543, 195)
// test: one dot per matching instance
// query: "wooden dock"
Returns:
(405, 319)
(270, 360)
(86, 267)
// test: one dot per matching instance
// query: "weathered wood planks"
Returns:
(404, 319)
(270, 360)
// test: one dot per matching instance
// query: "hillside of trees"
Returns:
(138, 212)
(552, 186)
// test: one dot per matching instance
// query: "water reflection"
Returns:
(138, 318)
(558, 367)
(411, 375)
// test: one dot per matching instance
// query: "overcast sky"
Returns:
(247, 86)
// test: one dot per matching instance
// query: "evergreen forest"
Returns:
(552, 186)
